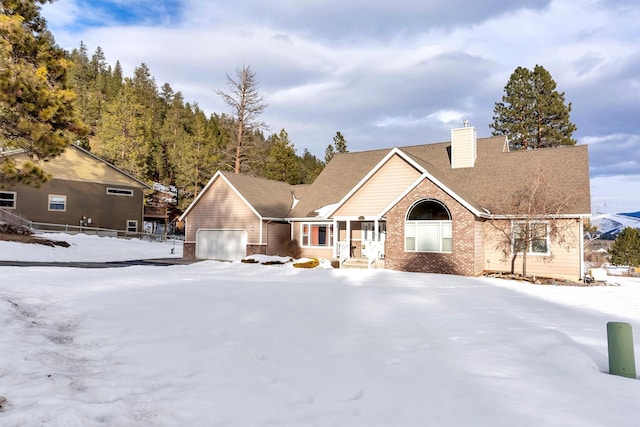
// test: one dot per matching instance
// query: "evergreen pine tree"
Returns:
(533, 113)
(339, 146)
(100, 75)
(281, 163)
(329, 152)
(339, 143)
(310, 167)
(114, 82)
(123, 132)
(37, 110)
(626, 248)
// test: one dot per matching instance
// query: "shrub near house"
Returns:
(625, 250)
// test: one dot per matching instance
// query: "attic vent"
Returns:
(463, 147)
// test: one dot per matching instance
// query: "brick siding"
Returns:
(460, 261)
(189, 250)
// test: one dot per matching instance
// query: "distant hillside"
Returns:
(610, 225)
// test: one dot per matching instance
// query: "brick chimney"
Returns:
(463, 147)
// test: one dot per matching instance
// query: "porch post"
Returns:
(348, 236)
(375, 230)
(336, 237)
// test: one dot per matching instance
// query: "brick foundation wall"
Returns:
(460, 261)
(189, 250)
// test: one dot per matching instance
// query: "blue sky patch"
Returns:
(98, 13)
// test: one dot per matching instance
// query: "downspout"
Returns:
(267, 236)
(185, 228)
(291, 229)
(581, 234)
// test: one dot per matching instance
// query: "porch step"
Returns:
(355, 263)
(358, 262)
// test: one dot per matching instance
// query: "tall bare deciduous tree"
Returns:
(533, 222)
(246, 104)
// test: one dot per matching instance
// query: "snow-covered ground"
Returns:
(232, 344)
(88, 248)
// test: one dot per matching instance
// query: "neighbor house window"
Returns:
(428, 228)
(532, 237)
(8, 199)
(316, 235)
(132, 225)
(57, 202)
(119, 191)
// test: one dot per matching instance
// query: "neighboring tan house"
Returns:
(84, 190)
(427, 208)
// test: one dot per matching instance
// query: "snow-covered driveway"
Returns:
(238, 344)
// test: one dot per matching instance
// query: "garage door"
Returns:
(223, 245)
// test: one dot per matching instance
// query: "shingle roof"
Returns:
(272, 199)
(497, 172)
(78, 164)
(340, 175)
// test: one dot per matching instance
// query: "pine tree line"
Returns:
(49, 97)
(154, 134)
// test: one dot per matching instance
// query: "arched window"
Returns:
(428, 227)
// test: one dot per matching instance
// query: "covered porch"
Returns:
(360, 242)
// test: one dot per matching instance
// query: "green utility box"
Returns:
(621, 357)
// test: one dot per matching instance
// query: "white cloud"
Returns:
(449, 117)
(393, 73)
(305, 92)
(64, 13)
(615, 194)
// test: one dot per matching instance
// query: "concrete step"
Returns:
(356, 263)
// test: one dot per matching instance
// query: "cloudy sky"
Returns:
(384, 73)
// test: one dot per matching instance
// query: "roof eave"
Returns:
(549, 216)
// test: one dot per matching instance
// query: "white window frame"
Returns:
(440, 231)
(530, 250)
(113, 191)
(13, 200)
(131, 222)
(63, 202)
(307, 244)
(444, 235)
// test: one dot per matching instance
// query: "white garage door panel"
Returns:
(224, 245)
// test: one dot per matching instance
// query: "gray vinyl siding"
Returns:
(83, 199)
(277, 236)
